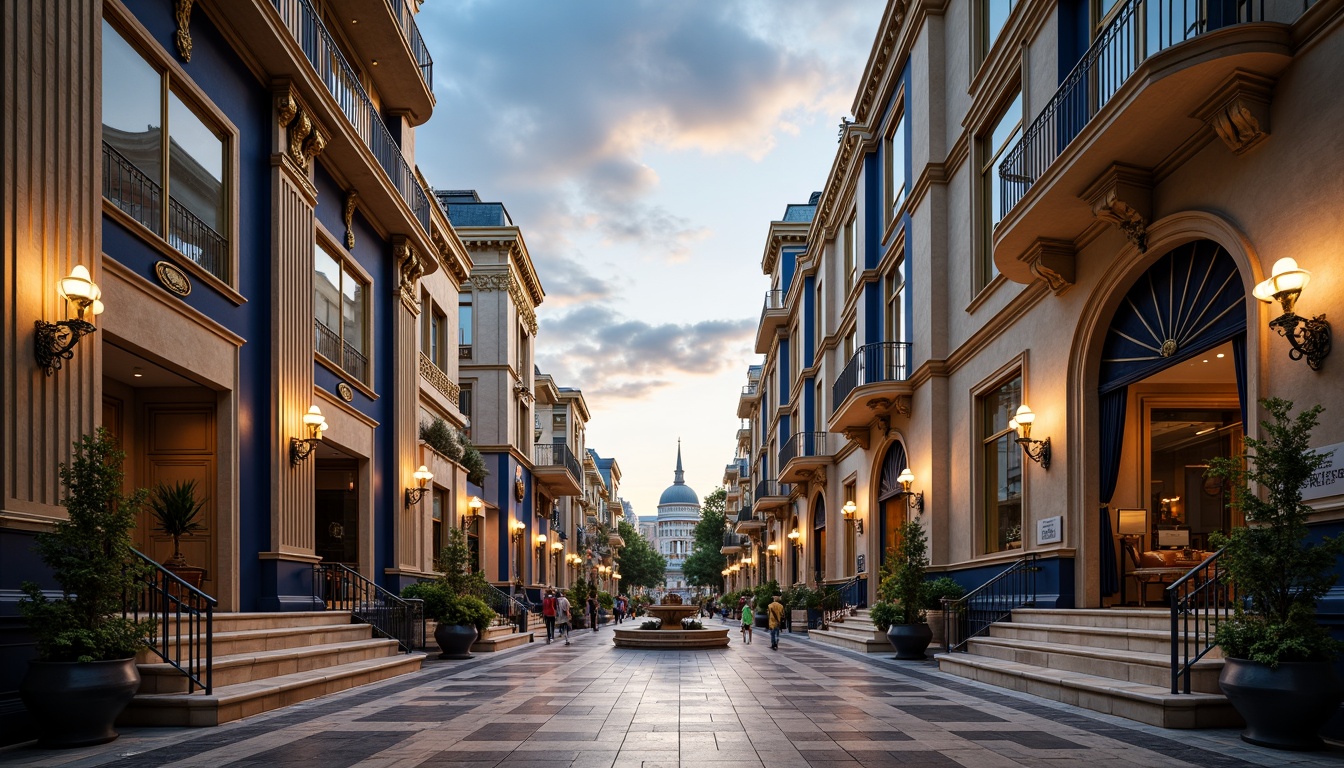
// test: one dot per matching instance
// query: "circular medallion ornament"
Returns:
(1168, 347)
(346, 392)
(173, 278)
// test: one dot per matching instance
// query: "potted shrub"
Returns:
(902, 585)
(175, 509)
(935, 592)
(462, 617)
(1278, 669)
(85, 672)
(764, 595)
(578, 599)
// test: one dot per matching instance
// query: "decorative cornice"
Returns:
(446, 257)
(348, 216)
(439, 380)
(182, 15)
(505, 281)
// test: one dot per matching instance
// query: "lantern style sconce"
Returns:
(794, 537)
(314, 424)
(56, 341)
(1309, 338)
(915, 499)
(540, 543)
(1036, 450)
(473, 511)
(422, 477)
(772, 550)
(516, 528)
(851, 513)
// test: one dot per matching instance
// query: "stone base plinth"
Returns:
(671, 639)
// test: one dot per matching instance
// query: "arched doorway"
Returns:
(819, 539)
(1172, 379)
(892, 506)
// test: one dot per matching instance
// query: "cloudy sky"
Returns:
(644, 148)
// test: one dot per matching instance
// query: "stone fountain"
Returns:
(670, 635)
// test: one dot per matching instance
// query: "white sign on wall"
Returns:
(1050, 530)
(1329, 479)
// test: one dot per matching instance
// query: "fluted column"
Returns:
(412, 523)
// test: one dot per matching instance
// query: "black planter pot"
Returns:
(455, 640)
(1284, 708)
(761, 621)
(75, 704)
(909, 640)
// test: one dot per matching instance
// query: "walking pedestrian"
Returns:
(620, 608)
(775, 611)
(748, 618)
(562, 616)
(592, 610)
(548, 614)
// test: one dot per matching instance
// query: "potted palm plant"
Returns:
(85, 672)
(1278, 668)
(902, 587)
(176, 509)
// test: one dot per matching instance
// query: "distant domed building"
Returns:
(678, 512)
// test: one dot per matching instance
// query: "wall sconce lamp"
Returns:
(473, 511)
(516, 528)
(313, 424)
(540, 543)
(1036, 450)
(851, 513)
(422, 477)
(772, 550)
(915, 499)
(56, 341)
(1309, 338)
(794, 537)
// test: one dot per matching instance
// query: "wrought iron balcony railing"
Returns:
(411, 31)
(330, 345)
(772, 488)
(803, 444)
(873, 363)
(1140, 29)
(306, 26)
(557, 455)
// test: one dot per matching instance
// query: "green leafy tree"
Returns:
(704, 566)
(1280, 575)
(903, 572)
(641, 565)
(91, 558)
(454, 598)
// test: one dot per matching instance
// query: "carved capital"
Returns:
(348, 215)
(182, 15)
(859, 436)
(409, 268)
(1238, 110)
(1051, 261)
(1123, 197)
(303, 140)
(506, 282)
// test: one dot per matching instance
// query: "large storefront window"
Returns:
(1001, 461)
(1185, 505)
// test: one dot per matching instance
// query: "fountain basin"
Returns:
(671, 615)
(670, 639)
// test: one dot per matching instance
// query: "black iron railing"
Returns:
(1200, 601)
(991, 602)
(557, 455)
(1140, 29)
(140, 197)
(509, 609)
(850, 595)
(771, 488)
(305, 24)
(417, 43)
(872, 363)
(803, 444)
(331, 346)
(340, 588)
(183, 623)
(744, 515)
(731, 539)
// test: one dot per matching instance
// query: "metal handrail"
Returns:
(339, 587)
(183, 623)
(507, 608)
(1136, 33)
(557, 455)
(1200, 601)
(872, 363)
(804, 444)
(411, 32)
(771, 488)
(852, 595)
(773, 300)
(972, 615)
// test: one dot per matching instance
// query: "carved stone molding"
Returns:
(902, 405)
(506, 282)
(1123, 197)
(348, 216)
(450, 264)
(438, 379)
(860, 436)
(182, 14)
(1238, 110)
(521, 391)
(409, 268)
(1053, 262)
(305, 140)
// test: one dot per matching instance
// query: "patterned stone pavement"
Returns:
(595, 706)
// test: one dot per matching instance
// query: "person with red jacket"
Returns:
(548, 614)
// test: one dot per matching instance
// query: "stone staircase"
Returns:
(855, 633)
(264, 661)
(1107, 660)
(504, 637)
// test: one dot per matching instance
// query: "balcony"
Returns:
(771, 495)
(872, 382)
(305, 25)
(437, 378)
(773, 317)
(329, 344)
(733, 544)
(747, 400)
(748, 520)
(615, 539)
(557, 470)
(801, 454)
(385, 31)
(1162, 72)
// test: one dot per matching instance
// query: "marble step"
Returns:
(1113, 638)
(1123, 665)
(228, 643)
(249, 667)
